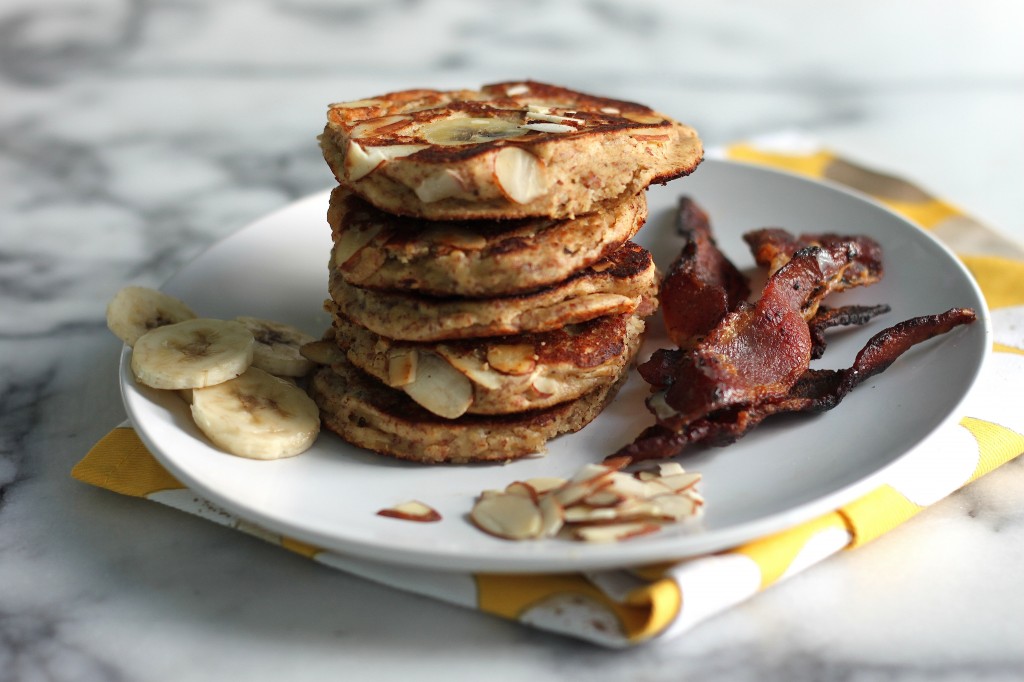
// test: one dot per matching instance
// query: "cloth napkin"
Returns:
(621, 608)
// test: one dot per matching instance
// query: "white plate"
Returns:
(785, 472)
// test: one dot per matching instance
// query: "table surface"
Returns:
(133, 135)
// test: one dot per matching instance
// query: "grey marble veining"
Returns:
(135, 134)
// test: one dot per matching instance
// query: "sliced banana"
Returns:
(470, 130)
(192, 354)
(136, 310)
(277, 347)
(257, 415)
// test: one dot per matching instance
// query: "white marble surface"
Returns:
(134, 134)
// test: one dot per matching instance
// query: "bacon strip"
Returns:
(773, 247)
(845, 316)
(757, 351)
(816, 391)
(702, 285)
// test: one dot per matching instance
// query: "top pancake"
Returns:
(509, 150)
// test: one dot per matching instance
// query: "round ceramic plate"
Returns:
(786, 471)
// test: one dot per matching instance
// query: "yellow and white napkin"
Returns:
(624, 608)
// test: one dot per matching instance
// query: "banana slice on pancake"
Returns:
(257, 415)
(135, 310)
(192, 354)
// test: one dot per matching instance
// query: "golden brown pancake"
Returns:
(502, 374)
(624, 282)
(509, 150)
(370, 415)
(376, 250)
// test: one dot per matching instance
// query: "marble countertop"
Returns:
(135, 134)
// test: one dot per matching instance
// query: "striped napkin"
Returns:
(624, 608)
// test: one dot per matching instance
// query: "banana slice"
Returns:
(257, 415)
(470, 130)
(192, 354)
(136, 310)
(277, 347)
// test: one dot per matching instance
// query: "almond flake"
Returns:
(522, 489)
(519, 175)
(439, 387)
(545, 484)
(615, 532)
(680, 482)
(508, 516)
(413, 510)
(550, 127)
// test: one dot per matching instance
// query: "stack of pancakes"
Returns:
(484, 292)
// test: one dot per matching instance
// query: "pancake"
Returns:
(509, 150)
(624, 282)
(376, 250)
(504, 374)
(370, 415)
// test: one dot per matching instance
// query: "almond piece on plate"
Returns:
(413, 510)
(512, 517)
(615, 532)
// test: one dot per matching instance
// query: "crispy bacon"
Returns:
(757, 351)
(816, 391)
(702, 285)
(844, 316)
(773, 247)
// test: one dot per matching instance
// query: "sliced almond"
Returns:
(356, 104)
(508, 516)
(350, 242)
(617, 462)
(680, 482)
(599, 503)
(543, 127)
(546, 386)
(402, 363)
(552, 516)
(606, 497)
(629, 486)
(322, 352)
(545, 484)
(549, 116)
(519, 175)
(522, 489)
(476, 370)
(441, 185)
(455, 237)
(361, 161)
(413, 510)
(439, 387)
(380, 126)
(518, 358)
(616, 532)
(358, 162)
(663, 469)
(589, 478)
(642, 117)
(585, 514)
(674, 507)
